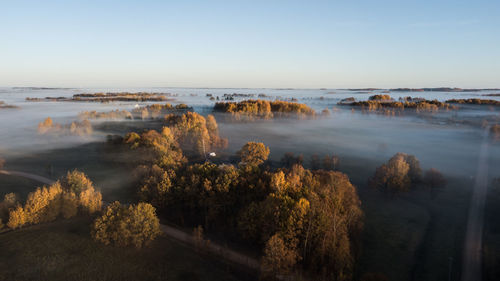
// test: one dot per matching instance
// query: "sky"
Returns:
(255, 44)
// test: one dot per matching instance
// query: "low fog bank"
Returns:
(371, 139)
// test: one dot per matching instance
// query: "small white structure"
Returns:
(212, 154)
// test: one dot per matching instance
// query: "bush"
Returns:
(123, 226)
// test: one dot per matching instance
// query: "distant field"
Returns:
(64, 251)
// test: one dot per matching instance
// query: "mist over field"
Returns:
(419, 231)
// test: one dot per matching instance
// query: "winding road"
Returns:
(172, 232)
(472, 255)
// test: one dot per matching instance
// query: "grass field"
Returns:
(63, 250)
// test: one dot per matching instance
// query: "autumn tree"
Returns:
(195, 133)
(10, 201)
(45, 126)
(400, 172)
(278, 259)
(17, 217)
(159, 148)
(253, 153)
(2, 163)
(155, 185)
(120, 225)
(75, 181)
(89, 200)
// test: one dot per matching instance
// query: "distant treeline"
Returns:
(438, 89)
(264, 109)
(153, 111)
(474, 101)
(3, 105)
(110, 97)
(48, 126)
(386, 104)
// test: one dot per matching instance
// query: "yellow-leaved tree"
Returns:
(120, 225)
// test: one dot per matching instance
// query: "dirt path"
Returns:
(472, 256)
(224, 252)
(28, 176)
(172, 232)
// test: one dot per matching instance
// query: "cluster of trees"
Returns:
(153, 147)
(155, 111)
(402, 172)
(381, 98)
(152, 111)
(474, 101)
(122, 225)
(264, 109)
(299, 217)
(195, 133)
(114, 114)
(385, 104)
(3, 105)
(109, 97)
(191, 132)
(82, 128)
(70, 195)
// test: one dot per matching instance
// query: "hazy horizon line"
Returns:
(273, 88)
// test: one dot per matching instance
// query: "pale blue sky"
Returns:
(303, 44)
